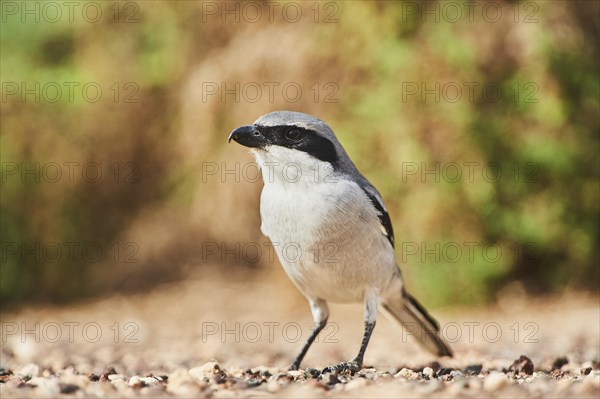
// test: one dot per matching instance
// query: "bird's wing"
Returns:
(384, 217)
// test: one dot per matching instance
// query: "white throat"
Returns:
(292, 168)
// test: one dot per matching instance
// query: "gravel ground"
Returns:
(233, 335)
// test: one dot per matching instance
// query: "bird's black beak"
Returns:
(248, 136)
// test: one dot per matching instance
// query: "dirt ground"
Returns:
(233, 335)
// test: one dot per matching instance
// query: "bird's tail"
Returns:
(414, 318)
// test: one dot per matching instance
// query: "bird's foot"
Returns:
(351, 367)
(293, 367)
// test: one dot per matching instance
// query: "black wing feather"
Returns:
(384, 217)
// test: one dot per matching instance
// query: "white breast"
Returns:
(324, 229)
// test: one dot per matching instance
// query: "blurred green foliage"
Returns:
(542, 133)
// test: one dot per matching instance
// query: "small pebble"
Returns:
(407, 373)
(428, 372)
(456, 374)
(522, 366)
(150, 380)
(444, 374)
(295, 374)
(116, 377)
(473, 369)
(207, 371)
(556, 373)
(28, 372)
(136, 382)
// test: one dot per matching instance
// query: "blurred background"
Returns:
(478, 123)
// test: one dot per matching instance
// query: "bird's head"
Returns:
(285, 136)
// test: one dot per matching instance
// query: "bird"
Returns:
(330, 229)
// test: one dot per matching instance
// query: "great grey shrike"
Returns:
(333, 233)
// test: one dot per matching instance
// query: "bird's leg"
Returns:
(371, 302)
(365, 341)
(356, 364)
(320, 313)
(309, 342)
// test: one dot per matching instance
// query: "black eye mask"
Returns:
(301, 139)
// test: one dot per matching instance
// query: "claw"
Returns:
(353, 367)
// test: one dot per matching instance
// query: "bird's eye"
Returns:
(294, 134)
